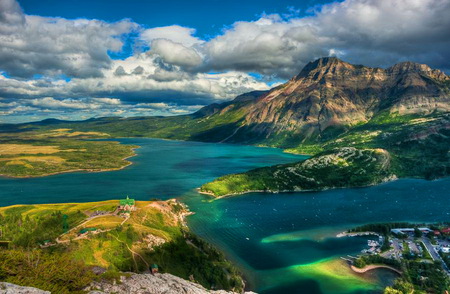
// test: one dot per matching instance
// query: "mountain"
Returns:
(363, 125)
(403, 110)
(327, 98)
(330, 96)
(336, 168)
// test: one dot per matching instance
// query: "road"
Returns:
(434, 253)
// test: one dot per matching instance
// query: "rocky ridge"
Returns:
(152, 284)
(332, 93)
(131, 284)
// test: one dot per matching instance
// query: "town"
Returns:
(419, 254)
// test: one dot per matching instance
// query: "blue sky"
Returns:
(208, 17)
(76, 59)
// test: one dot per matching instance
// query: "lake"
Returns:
(283, 243)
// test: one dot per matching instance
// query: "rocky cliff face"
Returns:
(152, 284)
(335, 95)
(326, 99)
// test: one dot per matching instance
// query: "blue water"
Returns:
(274, 238)
(162, 169)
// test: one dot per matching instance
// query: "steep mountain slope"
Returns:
(327, 98)
(329, 105)
(330, 96)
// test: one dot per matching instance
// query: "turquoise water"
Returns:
(284, 243)
(163, 169)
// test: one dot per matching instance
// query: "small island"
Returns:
(419, 253)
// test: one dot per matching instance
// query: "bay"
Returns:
(283, 243)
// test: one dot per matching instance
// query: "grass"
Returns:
(15, 149)
(341, 167)
(414, 146)
(31, 154)
(117, 248)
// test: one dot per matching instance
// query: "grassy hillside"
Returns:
(40, 153)
(417, 143)
(414, 146)
(99, 236)
(338, 168)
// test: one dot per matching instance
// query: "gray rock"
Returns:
(152, 284)
(8, 288)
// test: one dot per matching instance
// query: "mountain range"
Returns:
(344, 115)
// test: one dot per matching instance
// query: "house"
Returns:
(127, 205)
(445, 231)
(154, 268)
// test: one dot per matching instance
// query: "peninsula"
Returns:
(419, 253)
(44, 153)
(101, 241)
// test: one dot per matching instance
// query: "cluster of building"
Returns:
(127, 205)
(374, 246)
(441, 236)
(410, 231)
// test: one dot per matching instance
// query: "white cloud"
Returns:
(31, 45)
(74, 104)
(174, 33)
(175, 74)
(372, 32)
(175, 53)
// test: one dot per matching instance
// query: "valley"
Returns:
(331, 104)
(357, 126)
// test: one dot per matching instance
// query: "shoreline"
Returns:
(127, 163)
(356, 234)
(391, 179)
(374, 267)
(180, 217)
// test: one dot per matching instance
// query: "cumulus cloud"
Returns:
(74, 104)
(153, 85)
(175, 53)
(372, 32)
(177, 72)
(31, 45)
(175, 33)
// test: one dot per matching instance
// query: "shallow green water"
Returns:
(283, 242)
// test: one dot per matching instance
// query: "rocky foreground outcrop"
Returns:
(151, 284)
(8, 288)
(132, 284)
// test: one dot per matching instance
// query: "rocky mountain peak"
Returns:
(408, 67)
(324, 65)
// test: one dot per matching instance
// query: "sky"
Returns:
(77, 59)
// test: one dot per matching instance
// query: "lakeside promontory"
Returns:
(43, 153)
(65, 248)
